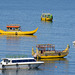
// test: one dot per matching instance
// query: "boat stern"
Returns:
(36, 64)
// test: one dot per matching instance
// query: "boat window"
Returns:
(10, 28)
(6, 60)
(43, 15)
(30, 60)
(41, 48)
(49, 48)
(47, 15)
(13, 28)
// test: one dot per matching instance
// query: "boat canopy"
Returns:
(15, 27)
(46, 47)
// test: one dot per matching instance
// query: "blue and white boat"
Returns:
(17, 63)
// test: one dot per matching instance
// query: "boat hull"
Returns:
(52, 57)
(18, 32)
(20, 66)
(46, 19)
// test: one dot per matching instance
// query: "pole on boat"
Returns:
(37, 54)
(33, 51)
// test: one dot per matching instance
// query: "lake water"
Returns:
(60, 32)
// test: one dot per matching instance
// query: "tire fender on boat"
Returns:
(29, 66)
(15, 33)
(59, 54)
(3, 66)
(17, 65)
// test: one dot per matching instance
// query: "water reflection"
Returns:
(16, 44)
(20, 72)
(57, 64)
(16, 37)
(53, 60)
(46, 22)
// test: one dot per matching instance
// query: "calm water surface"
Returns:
(59, 32)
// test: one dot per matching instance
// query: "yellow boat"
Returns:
(15, 29)
(46, 17)
(47, 51)
(53, 60)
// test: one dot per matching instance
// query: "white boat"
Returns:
(17, 63)
(74, 43)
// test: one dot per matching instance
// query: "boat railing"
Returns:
(52, 52)
(56, 53)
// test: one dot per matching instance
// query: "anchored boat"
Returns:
(46, 17)
(15, 29)
(47, 51)
(16, 63)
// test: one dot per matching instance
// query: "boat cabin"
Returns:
(45, 47)
(17, 60)
(13, 27)
(46, 15)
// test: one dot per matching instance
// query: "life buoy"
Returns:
(16, 65)
(59, 54)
